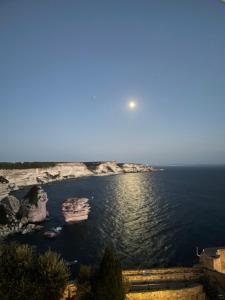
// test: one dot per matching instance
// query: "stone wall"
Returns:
(169, 274)
(221, 253)
(214, 284)
(192, 293)
(214, 263)
(165, 284)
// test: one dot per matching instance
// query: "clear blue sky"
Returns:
(68, 68)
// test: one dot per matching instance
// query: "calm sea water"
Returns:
(153, 219)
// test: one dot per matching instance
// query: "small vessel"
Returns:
(69, 263)
(75, 209)
(54, 232)
(57, 229)
(51, 234)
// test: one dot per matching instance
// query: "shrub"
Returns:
(25, 275)
(84, 283)
(53, 275)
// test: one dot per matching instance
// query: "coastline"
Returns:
(14, 179)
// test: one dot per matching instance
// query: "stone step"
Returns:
(159, 286)
(161, 277)
(162, 271)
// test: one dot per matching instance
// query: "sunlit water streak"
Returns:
(153, 219)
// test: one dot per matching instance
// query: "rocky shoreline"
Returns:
(23, 216)
(14, 179)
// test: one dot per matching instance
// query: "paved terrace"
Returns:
(163, 284)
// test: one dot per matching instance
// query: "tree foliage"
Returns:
(103, 283)
(85, 283)
(109, 281)
(26, 275)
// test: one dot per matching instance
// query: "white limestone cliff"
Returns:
(108, 168)
(13, 179)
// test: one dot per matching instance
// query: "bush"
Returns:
(53, 275)
(84, 283)
(25, 275)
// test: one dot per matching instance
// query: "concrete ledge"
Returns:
(192, 293)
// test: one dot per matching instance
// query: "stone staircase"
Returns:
(214, 283)
(165, 284)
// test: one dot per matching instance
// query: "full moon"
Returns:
(132, 104)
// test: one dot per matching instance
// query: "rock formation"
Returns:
(75, 209)
(20, 216)
(34, 205)
(108, 168)
(9, 207)
(136, 168)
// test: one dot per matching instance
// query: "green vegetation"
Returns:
(26, 275)
(104, 283)
(85, 283)
(109, 283)
(26, 165)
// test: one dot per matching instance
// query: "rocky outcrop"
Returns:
(3, 180)
(108, 168)
(9, 207)
(111, 167)
(33, 206)
(18, 178)
(136, 168)
(12, 204)
(13, 179)
(21, 216)
(4, 190)
(75, 209)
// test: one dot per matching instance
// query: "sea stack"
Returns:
(75, 209)
(34, 205)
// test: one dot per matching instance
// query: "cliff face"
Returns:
(13, 179)
(20, 216)
(34, 205)
(23, 177)
(135, 168)
(108, 168)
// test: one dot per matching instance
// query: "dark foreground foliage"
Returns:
(103, 283)
(85, 283)
(109, 281)
(26, 275)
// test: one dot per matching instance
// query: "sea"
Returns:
(155, 219)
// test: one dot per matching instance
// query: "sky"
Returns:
(68, 69)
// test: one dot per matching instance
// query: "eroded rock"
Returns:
(12, 204)
(17, 216)
(75, 209)
(34, 205)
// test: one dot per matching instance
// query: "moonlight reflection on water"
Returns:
(153, 219)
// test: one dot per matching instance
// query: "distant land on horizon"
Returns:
(40, 164)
